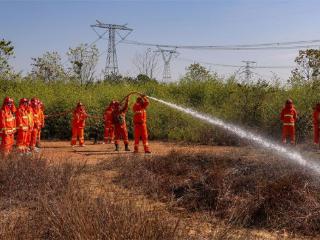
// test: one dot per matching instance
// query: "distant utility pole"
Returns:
(167, 55)
(247, 70)
(112, 60)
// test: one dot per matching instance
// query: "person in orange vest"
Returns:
(22, 120)
(108, 126)
(316, 124)
(120, 126)
(7, 126)
(78, 124)
(288, 118)
(41, 117)
(36, 123)
(140, 123)
(30, 125)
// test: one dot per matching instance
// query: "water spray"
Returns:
(244, 134)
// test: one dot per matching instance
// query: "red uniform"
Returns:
(7, 126)
(140, 123)
(108, 126)
(41, 118)
(36, 126)
(31, 125)
(78, 125)
(119, 121)
(22, 120)
(288, 118)
(316, 124)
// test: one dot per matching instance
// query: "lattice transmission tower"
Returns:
(247, 70)
(167, 55)
(112, 68)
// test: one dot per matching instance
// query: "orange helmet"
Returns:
(139, 99)
(116, 104)
(34, 99)
(23, 101)
(289, 101)
(111, 104)
(8, 100)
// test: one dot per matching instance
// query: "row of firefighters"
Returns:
(28, 119)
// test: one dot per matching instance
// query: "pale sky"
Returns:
(35, 27)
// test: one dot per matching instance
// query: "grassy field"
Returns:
(179, 192)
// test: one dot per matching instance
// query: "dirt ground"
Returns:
(93, 153)
(197, 224)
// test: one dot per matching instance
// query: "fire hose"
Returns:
(92, 116)
(131, 93)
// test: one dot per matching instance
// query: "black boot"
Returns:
(126, 148)
(117, 147)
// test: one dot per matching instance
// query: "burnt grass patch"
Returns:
(253, 192)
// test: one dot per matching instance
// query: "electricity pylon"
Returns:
(167, 55)
(112, 60)
(247, 70)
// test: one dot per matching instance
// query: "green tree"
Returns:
(48, 67)
(6, 51)
(308, 66)
(84, 60)
(197, 72)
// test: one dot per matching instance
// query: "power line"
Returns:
(90, 44)
(261, 46)
(234, 66)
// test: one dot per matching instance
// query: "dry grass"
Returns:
(26, 179)
(268, 193)
(43, 201)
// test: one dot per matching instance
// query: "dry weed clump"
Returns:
(79, 215)
(47, 201)
(25, 179)
(265, 193)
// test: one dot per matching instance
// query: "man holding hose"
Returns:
(140, 123)
(119, 122)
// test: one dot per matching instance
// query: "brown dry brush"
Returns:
(46, 201)
(265, 193)
(25, 179)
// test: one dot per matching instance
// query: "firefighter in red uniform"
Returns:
(140, 123)
(288, 118)
(7, 126)
(41, 118)
(22, 121)
(78, 124)
(30, 124)
(35, 104)
(119, 121)
(316, 124)
(108, 126)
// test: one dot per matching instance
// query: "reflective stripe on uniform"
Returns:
(10, 119)
(141, 111)
(288, 124)
(288, 115)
